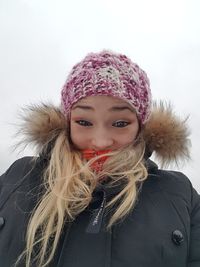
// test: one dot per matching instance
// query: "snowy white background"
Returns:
(40, 40)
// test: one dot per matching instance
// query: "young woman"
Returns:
(92, 197)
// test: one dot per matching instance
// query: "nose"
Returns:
(101, 141)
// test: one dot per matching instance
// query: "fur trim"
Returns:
(41, 125)
(167, 135)
(164, 133)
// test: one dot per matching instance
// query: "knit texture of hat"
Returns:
(110, 74)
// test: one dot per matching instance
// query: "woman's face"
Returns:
(102, 122)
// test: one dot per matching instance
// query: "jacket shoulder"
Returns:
(24, 173)
(180, 186)
(167, 180)
(17, 170)
(173, 183)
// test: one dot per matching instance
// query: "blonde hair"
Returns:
(68, 186)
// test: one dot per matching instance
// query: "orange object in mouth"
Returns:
(90, 154)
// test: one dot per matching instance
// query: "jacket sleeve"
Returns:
(194, 251)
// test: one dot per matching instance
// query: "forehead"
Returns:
(103, 106)
(99, 99)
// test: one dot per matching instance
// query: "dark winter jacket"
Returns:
(163, 230)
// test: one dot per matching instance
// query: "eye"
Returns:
(84, 123)
(120, 124)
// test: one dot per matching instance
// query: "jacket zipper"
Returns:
(95, 223)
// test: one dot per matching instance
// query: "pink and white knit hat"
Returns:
(111, 74)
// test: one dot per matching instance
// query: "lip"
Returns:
(91, 153)
(97, 165)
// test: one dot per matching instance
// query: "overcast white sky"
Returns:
(42, 39)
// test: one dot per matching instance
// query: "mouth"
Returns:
(97, 165)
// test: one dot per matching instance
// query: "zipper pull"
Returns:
(95, 223)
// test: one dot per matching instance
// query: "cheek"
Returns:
(126, 139)
(136, 131)
(131, 135)
(79, 138)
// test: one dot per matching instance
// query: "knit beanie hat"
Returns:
(111, 74)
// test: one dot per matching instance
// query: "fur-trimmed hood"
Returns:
(165, 134)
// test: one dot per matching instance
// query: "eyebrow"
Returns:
(115, 108)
